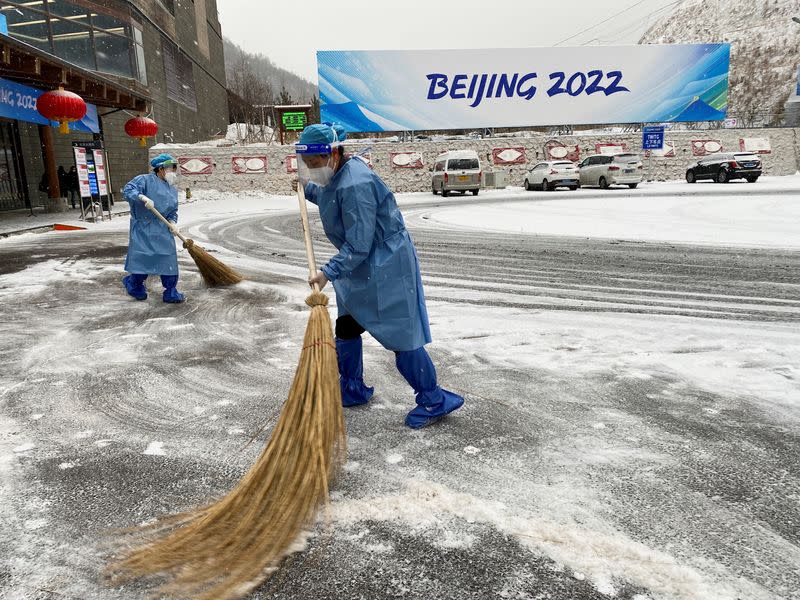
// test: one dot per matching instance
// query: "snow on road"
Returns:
(601, 453)
(765, 214)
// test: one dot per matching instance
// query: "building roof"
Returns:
(26, 64)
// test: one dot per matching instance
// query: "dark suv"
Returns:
(725, 166)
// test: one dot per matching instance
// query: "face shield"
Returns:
(315, 163)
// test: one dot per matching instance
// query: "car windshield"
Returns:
(626, 157)
(562, 164)
(462, 163)
(745, 156)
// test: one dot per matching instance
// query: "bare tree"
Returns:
(252, 93)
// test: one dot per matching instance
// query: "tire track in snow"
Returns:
(562, 273)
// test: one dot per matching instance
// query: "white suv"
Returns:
(549, 175)
(605, 170)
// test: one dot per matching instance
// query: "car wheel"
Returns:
(633, 185)
(434, 190)
(445, 193)
(752, 179)
(475, 192)
(528, 186)
(573, 187)
(545, 185)
(603, 183)
(690, 177)
(722, 176)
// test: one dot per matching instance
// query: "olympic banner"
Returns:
(18, 102)
(393, 90)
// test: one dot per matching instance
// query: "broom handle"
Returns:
(171, 226)
(312, 262)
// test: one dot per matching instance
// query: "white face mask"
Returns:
(171, 177)
(321, 175)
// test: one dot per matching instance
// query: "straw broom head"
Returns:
(214, 271)
(224, 550)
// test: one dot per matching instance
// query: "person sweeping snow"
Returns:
(375, 274)
(151, 247)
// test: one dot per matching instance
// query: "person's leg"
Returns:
(433, 402)
(134, 285)
(171, 295)
(350, 356)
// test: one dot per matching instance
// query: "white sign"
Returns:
(610, 148)
(83, 172)
(100, 170)
(755, 145)
(668, 151)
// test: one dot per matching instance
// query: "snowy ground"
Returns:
(630, 362)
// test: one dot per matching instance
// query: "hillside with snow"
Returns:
(765, 49)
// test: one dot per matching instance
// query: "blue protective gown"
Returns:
(151, 248)
(376, 272)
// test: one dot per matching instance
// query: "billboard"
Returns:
(393, 90)
(18, 102)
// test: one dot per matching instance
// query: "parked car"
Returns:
(456, 170)
(725, 166)
(605, 170)
(549, 175)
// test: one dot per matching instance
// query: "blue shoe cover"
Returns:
(433, 402)
(425, 414)
(171, 295)
(134, 285)
(349, 355)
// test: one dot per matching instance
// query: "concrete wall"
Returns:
(782, 161)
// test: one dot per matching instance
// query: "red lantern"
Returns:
(62, 106)
(141, 127)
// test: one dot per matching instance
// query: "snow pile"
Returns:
(426, 506)
(238, 134)
(249, 133)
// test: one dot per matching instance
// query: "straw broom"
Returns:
(213, 271)
(226, 549)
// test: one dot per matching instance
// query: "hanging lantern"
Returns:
(62, 106)
(141, 127)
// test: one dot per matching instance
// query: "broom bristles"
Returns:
(224, 550)
(213, 271)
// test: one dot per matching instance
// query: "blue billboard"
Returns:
(18, 102)
(389, 90)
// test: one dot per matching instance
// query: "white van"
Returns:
(456, 170)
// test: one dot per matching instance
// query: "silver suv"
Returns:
(605, 170)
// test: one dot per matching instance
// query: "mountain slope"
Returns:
(765, 49)
(272, 77)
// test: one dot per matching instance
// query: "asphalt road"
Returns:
(697, 495)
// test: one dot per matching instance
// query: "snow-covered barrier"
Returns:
(406, 166)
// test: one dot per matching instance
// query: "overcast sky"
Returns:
(290, 33)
